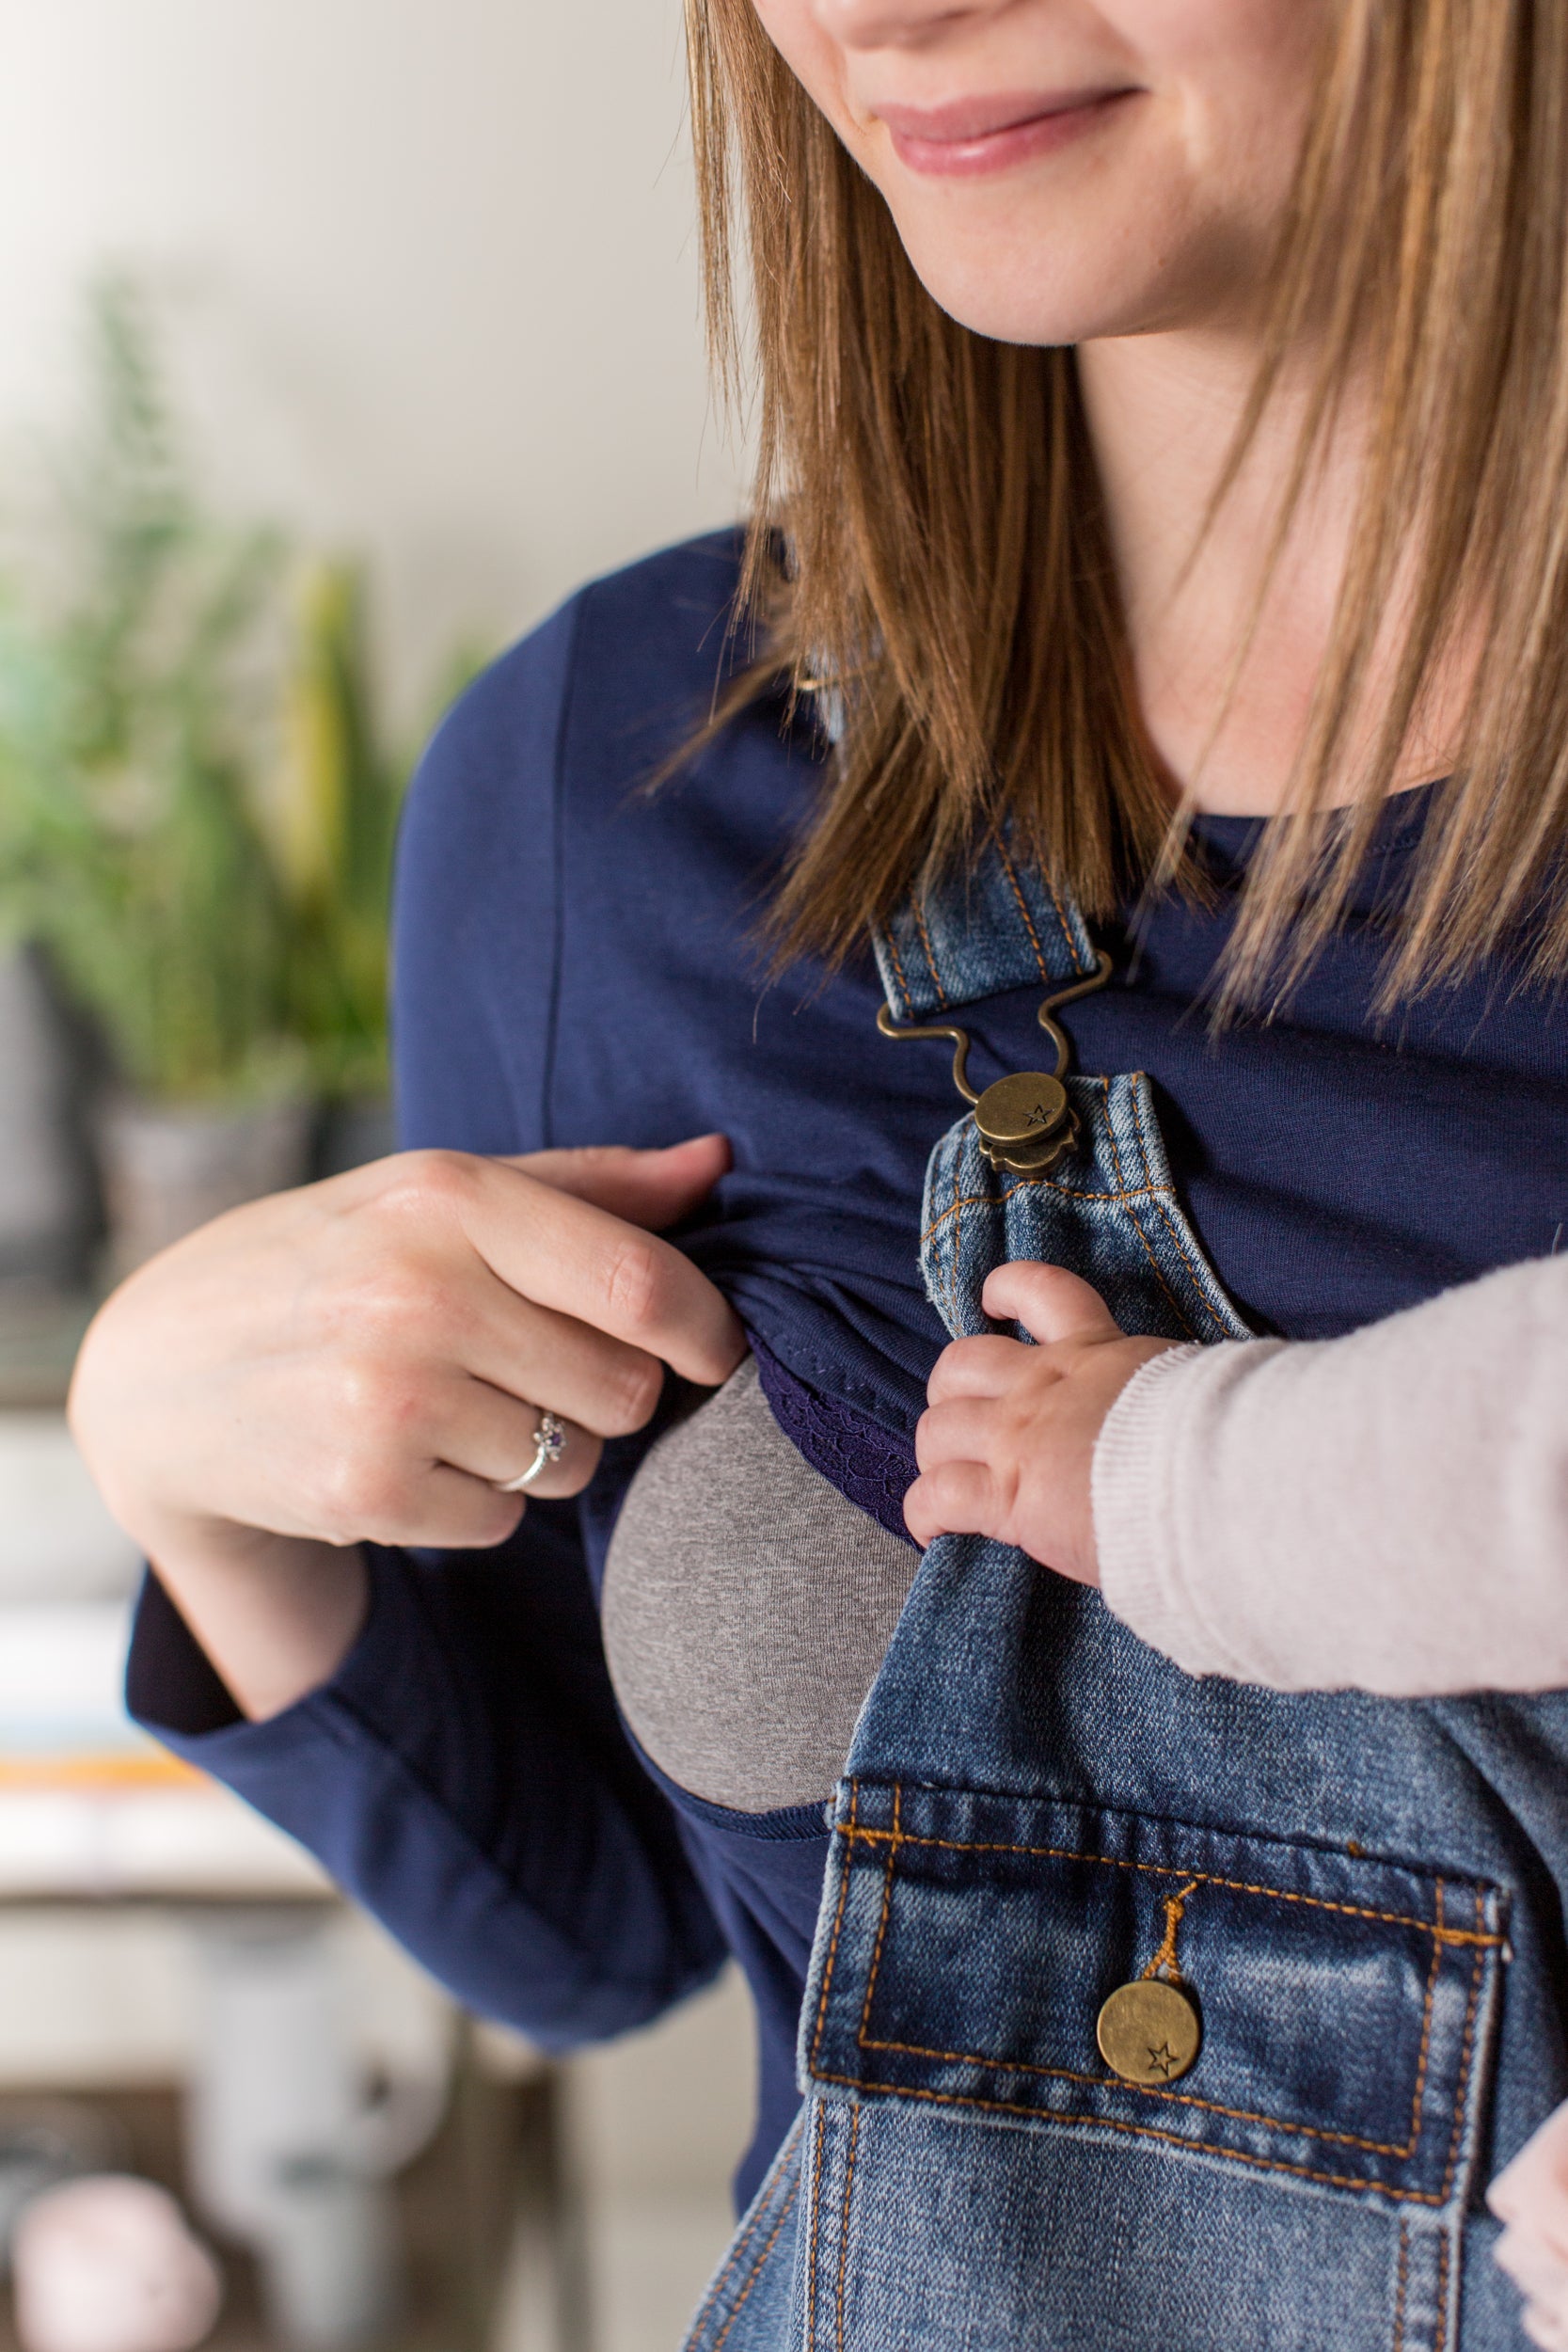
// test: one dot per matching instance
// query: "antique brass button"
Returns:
(1150, 2032)
(1021, 1108)
(1024, 1121)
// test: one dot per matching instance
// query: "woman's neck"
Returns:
(1163, 411)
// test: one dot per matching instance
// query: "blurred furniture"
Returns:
(377, 2168)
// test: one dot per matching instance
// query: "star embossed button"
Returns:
(1024, 1121)
(1021, 1108)
(1150, 2032)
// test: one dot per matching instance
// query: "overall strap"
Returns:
(1004, 925)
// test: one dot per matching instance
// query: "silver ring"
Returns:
(550, 1444)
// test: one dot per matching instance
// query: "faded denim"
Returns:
(1372, 1914)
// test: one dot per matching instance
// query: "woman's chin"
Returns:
(1026, 299)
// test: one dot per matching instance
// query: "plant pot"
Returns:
(354, 1130)
(45, 1183)
(168, 1168)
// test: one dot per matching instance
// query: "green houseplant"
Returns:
(136, 695)
(334, 808)
(336, 811)
(197, 816)
(337, 793)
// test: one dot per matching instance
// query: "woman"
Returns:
(1162, 433)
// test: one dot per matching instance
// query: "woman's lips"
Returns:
(977, 135)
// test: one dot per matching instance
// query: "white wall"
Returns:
(430, 266)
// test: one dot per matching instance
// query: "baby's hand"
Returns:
(1007, 1446)
(1530, 2198)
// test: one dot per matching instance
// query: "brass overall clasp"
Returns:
(1025, 1121)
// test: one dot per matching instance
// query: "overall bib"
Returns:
(1358, 1901)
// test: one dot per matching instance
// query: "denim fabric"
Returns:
(1002, 927)
(1366, 1899)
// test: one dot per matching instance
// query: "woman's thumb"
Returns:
(648, 1189)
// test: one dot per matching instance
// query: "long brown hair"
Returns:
(926, 530)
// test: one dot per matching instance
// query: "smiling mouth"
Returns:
(983, 135)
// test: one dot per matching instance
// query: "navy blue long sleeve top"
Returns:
(576, 961)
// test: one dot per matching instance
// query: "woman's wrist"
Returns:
(276, 1616)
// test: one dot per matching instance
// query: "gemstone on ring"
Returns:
(550, 1444)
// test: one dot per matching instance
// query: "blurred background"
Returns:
(342, 338)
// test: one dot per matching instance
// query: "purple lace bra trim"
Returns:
(853, 1453)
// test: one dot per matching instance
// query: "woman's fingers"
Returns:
(1051, 1303)
(649, 1188)
(545, 1358)
(369, 1356)
(429, 1468)
(569, 1472)
(450, 1511)
(567, 1254)
(494, 1437)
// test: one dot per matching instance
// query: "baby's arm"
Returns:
(1386, 1511)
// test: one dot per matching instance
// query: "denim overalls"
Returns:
(1361, 1900)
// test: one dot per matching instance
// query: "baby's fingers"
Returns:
(956, 1498)
(1542, 2283)
(1051, 1303)
(964, 1430)
(974, 1368)
(1530, 2196)
(1534, 2270)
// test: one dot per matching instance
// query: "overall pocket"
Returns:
(1298, 2182)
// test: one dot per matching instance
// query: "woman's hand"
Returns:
(366, 1359)
(1530, 2197)
(1007, 1444)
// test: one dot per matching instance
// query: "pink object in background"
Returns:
(1530, 2198)
(107, 2264)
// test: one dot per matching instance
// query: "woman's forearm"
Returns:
(1386, 1511)
(276, 1614)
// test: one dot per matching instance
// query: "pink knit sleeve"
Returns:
(1385, 1512)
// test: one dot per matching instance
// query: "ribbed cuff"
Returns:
(1157, 1437)
(1134, 1502)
